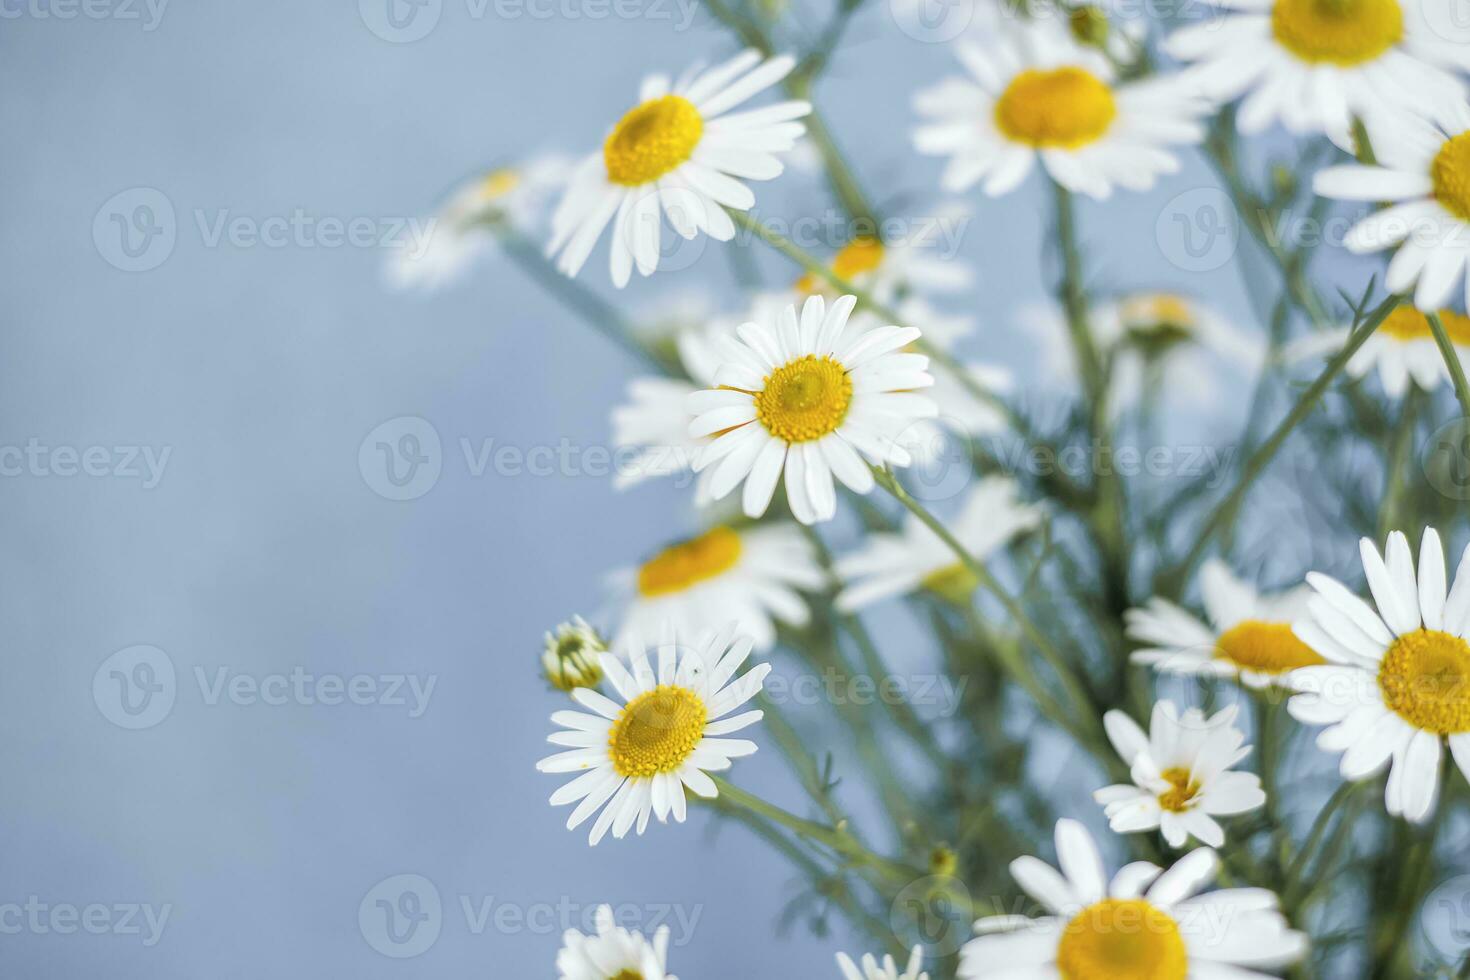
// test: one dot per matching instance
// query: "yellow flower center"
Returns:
(1122, 939)
(652, 140)
(686, 564)
(1158, 321)
(1181, 792)
(626, 975)
(1338, 32)
(1266, 648)
(953, 582)
(657, 731)
(804, 399)
(1451, 175)
(1425, 680)
(1064, 107)
(859, 256)
(1407, 323)
(498, 183)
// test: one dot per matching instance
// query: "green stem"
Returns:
(1451, 361)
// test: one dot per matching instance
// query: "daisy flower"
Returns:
(915, 558)
(677, 155)
(1182, 774)
(1425, 172)
(1316, 64)
(614, 953)
(887, 970)
(1398, 681)
(665, 732)
(1249, 636)
(887, 269)
(749, 574)
(1402, 349)
(809, 396)
(1144, 923)
(1034, 92)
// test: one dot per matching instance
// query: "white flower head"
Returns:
(614, 953)
(1402, 349)
(917, 261)
(871, 969)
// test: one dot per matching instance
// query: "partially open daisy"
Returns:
(1316, 64)
(1183, 775)
(916, 558)
(809, 396)
(1144, 923)
(1249, 635)
(679, 155)
(872, 969)
(1035, 93)
(750, 574)
(636, 755)
(1398, 681)
(918, 262)
(614, 953)
(1403, 349)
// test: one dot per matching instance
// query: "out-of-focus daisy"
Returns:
(460, 232)
(1183, 775)
(871, 969)
(751, 575)
(570, 657)
(1035, 93)
(1316, 64)
(1402, 349)
(809, 396)
(1398, 681)
(614, 953)
(887, 269)
(915, 558)
(636, 755)
(679, 154)
(1121, 35)
(1425, 172)
(1144, 923)
(1249, 636)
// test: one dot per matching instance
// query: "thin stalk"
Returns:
(1451, 361)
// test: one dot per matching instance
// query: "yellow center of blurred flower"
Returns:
(498, 183)
(1181, 792)
(859, 256)
(1425, 680)
(1122, 939)
(685, 564)
(1451, 175)
(1407, 323)
(1089, 25)
(1265, 648)
(626, 975)
(1064, 107)
(955, 583)
(652, 140)
(1338, 32)
(657, 731)
(804, 399)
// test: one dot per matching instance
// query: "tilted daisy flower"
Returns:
(614, 953)
(807, 395)
(1183, 775)
(919, 262)
(679, 154)
(1403, 349)
(665, 732)
(916, 558)
(749, 574)
(1398, 681)
(1035, 93)
(871, 969)
(1144, 923)
(1249, 636)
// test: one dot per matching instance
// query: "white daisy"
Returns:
(888, 269)
(1403, 349)
(809, 396)
(1425, 171)
(1144, 923)
(1183, 775)
(1035, 92)
(1398, 681)
(749, 574)
(1249, 636)
(677, 155)
(614, 953)
(638, 756)
(915, 558)
(1315, 65)
(886, 970)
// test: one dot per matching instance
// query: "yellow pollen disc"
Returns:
(859, 256)
(804, 399)
(954, 582)
(1182, 790)
(626, 975)
(499, 183)
(1406, 323)
(1451, 175)
(686, 564)
(1337, 32)
(1122, 939)
(657, 731)
(652, 140)
(1064, 107)
(1266, 648)
(1425, 680)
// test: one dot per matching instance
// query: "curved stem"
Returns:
(1453, 362)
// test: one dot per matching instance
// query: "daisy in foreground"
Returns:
(614, 953)
(887, 970)
(677, 155)
(638, 756)
(1145, 923)
(1402, 348)
(1398, 681)
(1249, 637)
(1182, 773)
(1035, 93)
(1425, 171)
(807, 395)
